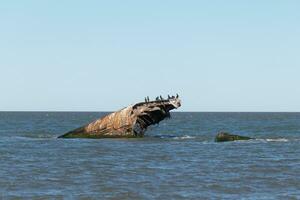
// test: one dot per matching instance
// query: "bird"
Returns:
(148, 99)
(169, 97)
(161, 98)
(145, 99)
(157, 99)
(177, 96)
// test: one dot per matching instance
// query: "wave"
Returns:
(40, 135)
(175, 137)
(199, 138)
(30, 136)
(209, 139)
(275, 140)
(264, 140)
(184, 137)
(278, 140)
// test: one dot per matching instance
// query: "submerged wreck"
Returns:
(226, 137)
(128, 122)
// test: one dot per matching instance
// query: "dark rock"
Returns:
(226, 137)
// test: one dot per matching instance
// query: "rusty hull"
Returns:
(131, 121)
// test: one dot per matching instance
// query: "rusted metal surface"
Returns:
(131, 121)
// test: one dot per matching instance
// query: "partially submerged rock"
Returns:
(226, 137)
(131, 121)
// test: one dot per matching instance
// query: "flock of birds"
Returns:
(160, 98)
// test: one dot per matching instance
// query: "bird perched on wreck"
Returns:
(131, 121)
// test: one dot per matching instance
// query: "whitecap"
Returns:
(184, 137)
(277, 140)
(273, 140)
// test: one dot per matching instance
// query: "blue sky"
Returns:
(103, 55)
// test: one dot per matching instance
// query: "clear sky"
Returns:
(103, 55)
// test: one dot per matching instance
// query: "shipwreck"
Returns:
(227, 137)
(128, 122)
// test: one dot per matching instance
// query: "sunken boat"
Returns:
(227, 137)
(128, 122)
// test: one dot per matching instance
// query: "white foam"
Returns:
(184, 137)
(273, 140)
(277, 140)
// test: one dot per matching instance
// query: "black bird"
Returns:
(177, 96)
(148, 99)
(145, 99)
(157, 99)
(169, 97)
(161, 98)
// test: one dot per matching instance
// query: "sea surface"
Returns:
(178, 159)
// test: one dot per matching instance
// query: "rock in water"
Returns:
(226, 137)
(131, 121)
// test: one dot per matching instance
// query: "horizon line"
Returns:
(172, 111)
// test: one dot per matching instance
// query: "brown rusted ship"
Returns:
(131, 121)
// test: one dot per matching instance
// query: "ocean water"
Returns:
(178, 159)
